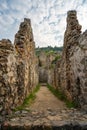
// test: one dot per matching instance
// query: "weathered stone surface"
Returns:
(46, 67)
(8, 90)
(46, 120)
(71, 71)
(57, 75)
(18, 68)
(26, 60)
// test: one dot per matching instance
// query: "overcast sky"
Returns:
(48, 18)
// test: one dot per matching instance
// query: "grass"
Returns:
(62, 97)
(29, 99)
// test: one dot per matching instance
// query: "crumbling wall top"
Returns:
(72, 22)
(6, 44)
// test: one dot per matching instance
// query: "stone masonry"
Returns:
(18, 68)
(71, 70)
(46, 68)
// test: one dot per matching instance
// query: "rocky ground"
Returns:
(46, 113)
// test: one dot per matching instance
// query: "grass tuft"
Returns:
(62, 97)
(29, 99)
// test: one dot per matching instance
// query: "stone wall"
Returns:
(46, 68)
(71, 72)
(8, 89)
(18, 68)
(56, 83)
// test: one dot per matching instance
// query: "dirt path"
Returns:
(47, 112)
(46, 100)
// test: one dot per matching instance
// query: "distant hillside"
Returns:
(49, 49)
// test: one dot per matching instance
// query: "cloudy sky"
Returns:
(48, 18)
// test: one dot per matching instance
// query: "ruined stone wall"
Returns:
(57, 75)
(46, 69)
(8, 73)
(79, 71)
(18, 68)
(72, 70)
(25, 49)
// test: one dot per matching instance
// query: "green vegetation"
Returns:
(48, 50)
(29, 99)
(62, 97)
(56, 59)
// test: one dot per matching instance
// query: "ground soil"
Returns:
(46, 100)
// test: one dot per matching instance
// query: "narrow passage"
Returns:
(46, 100)
(46, 113)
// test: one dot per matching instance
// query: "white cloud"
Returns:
(48, 18)
(3, 5)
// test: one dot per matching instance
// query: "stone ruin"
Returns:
(71, 70)
(18, 68)
(46, 68)
(19, 72)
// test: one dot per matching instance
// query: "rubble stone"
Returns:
(71, 71)
(18, 68)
